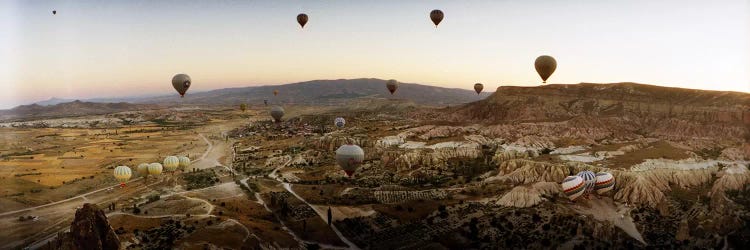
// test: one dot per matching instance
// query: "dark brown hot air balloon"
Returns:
(478, 87)
(54, 12)
(545, 66)
(181, 83)
(436, 16)
(392, 85)
(302, 19)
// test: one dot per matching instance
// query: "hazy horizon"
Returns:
(93, 49)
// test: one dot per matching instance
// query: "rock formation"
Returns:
(90, 230)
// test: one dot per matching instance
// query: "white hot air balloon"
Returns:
(277, 112)
(590, 179)
(573, 186)
(604, 182)
(122, 174)
(155, 168)
(184, 162)
(350, 157)
(142, 169)
(171, 163)
(339, 122)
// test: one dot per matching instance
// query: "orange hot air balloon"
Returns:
(302, 19)
(275, 92)
(436, 16)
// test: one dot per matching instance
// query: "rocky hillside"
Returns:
(619, 109)
(68, 109)
(89, 230)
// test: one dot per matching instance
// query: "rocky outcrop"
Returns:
(526, 171)
(90, 230)
(520, 196)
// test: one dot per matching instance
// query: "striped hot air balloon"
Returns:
(604, 182)
(123, 174)
(171, 163)
(590, 179)
(155, 168)
(142, 169)
(184, 162)
(573, 186)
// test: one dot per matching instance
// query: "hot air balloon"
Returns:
(545, 66)
(181, 83)
(277, 112)
(123, 174)
(604, 182)
(436, 16)
(184, 162)
(155, 168)
(392, 85)
(54, 12)
(243, 107)
(573, 186)
(171, 163)
(265, 102)
(349, 157)
(339, 122)
(142, 169)
(302, 19)
(589, 178)
(276, 92)
(478, 87)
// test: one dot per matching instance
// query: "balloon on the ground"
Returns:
(302, 19)
(604, 182)
(142, 169)
(478, 87)
(184, 162)
(573, 186)
(436, 16)
(155, 168)
(589, 178)
(123, 174)
(277, 112)
(171, 163)
(391, 85)
(349, 157)
(339, 122)
(545, 66)
(181, 83)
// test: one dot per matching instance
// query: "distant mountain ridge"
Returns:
(74, 108)
(325, 92)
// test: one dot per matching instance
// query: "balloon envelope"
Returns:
(275, 92)
(478, 87)
(171, 163)
(123, 173)
(142, 169)
(436, 16)
(589, 178)
(391, 85)
(339, 122)
(545, 66)
(277, 112)
(302, 19)
(604, 182)
(181, 83)
(155, 168)
(54, 12)
(573, 186)
(349, 157)
(184, 162)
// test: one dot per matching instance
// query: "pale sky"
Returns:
(124, 48)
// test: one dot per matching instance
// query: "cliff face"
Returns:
(90, 230)
(620, 110)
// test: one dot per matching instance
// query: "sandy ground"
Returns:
(604, 209)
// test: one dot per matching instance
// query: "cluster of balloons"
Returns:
(435, 15)
(171, 163)
(586, 182)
